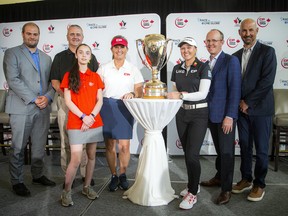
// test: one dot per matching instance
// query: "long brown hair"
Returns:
(74, 77)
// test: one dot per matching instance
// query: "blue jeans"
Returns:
(257, 130)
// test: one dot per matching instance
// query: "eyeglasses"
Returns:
(211, 41)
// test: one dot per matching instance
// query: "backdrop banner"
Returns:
(273, 31)
(98, 32)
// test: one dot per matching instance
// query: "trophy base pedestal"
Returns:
(154, 93)
(153, 97)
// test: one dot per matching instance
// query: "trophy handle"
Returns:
(144, 62)
(167, 41)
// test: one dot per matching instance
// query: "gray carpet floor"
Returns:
(45, 201)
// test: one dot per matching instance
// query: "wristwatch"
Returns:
(181, 96)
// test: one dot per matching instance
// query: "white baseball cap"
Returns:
(188, 40)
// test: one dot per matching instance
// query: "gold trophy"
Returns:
(154, 47)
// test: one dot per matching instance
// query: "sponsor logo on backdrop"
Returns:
(95, 26)
(208, 21)
(95, 45)
(3, 49)
(232, 42)
(7, 32)
(178, 144)
(263, 22)
(146, 24)
(284, 63)
(5, 85)
(65, 46)
(207, 142)
(283, 82)
(51, 29)
(176, 42)
(269, 43)
(237, 21)
(284, 20)
(122, 24)
(181, 22)
(203, 59)
(47, 48)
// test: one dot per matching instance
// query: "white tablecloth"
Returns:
(152, 185)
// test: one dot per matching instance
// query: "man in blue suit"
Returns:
(27, 71)
(259, 65)
(223, 102)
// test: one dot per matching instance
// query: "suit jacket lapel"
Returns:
(27, 55)
(252, 58)
(41, 60)
(218, 63)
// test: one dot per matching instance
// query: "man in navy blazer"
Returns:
(223, 102)
(259, 65)
(27, 71)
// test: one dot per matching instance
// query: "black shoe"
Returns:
(92, 183)
(123, 183)
(21, 190)
(113, 186)
(43, 180)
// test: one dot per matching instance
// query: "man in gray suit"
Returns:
(27, 71)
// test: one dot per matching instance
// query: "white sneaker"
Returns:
(185, 191)
(90, 193)
(66, 199)
(188, 201)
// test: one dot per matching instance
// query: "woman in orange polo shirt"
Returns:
(83, 97)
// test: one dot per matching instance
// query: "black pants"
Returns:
(192, 127)
(225, 148)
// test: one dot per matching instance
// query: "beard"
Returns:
(32, 45)
(248, 40)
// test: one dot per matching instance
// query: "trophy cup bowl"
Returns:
(154, 47)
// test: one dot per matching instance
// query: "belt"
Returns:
(194, 106)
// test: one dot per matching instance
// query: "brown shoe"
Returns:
(256, 194)
(223, 198)
(211, 183)
(241, 186)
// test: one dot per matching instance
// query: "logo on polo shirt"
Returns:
(127, 74)
(91, 84)
(193, 71)
(180, 71)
